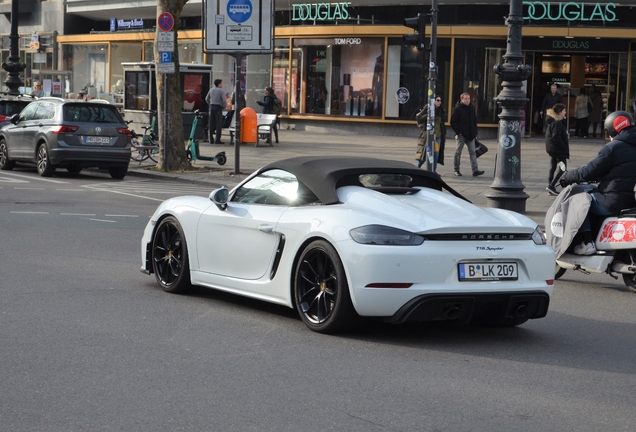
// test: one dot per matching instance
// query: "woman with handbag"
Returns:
(440, 134)
(556, 144)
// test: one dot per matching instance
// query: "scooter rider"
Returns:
(614, 169)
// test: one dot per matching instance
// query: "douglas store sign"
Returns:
(320, 11)
(575, 45)
(569, 11)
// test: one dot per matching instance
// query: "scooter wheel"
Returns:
(559, 271)
(630, 282)
(221, 159)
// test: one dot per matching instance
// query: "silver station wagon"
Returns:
(58, 133)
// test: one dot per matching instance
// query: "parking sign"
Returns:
(238, 26)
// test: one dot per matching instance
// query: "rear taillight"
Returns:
(124, 131)
(65, 129)
(2, 118)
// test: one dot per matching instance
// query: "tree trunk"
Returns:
(172, 154)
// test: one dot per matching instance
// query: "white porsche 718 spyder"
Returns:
(339, 238)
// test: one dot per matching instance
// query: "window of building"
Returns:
(121, 52)
(339, 76)
(88, 63)
(475, 60)
(407, 78)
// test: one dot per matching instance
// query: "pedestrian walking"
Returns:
(551, 99)
(217, 102)
(581, 112)
(596, 116)
(440, 134)
(268, 108)
(556, 145)
(464, 123)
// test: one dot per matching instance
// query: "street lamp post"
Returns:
(13, 65)
(507, 189)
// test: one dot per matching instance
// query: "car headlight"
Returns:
(384, 235)
(538, 237)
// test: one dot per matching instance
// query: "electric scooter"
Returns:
(192, 147)
(615, 245)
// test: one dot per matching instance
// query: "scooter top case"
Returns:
(617, 233)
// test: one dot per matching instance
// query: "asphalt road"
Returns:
(88, 343)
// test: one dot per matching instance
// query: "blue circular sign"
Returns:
(239, 10)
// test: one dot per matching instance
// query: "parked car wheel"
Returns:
(321, 290)
(45, 167)
(170, 257)
(5, 163)
(74, 169)
(118, 172)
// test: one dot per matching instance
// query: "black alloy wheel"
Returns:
(45, 167)
(5, 163)
(170, 257)
(321, 291)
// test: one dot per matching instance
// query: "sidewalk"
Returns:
(534, 162)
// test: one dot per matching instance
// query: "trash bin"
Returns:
(248, 126)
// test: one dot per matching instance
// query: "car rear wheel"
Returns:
(74, 169)
(118, 172)
(321, 291)
(45, 167)
(5, 163)
(170, 257)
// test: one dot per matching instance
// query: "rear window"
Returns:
(84, 113)
(8, 108)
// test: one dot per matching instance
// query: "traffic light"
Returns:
(418, 24)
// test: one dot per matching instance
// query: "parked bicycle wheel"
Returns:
(138, 154)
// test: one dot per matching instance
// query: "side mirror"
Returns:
(14, 118)
(220, 197)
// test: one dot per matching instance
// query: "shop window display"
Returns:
(340, 76)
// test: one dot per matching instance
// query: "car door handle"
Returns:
(40, 124)
(265, 228)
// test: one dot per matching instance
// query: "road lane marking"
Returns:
(128, 194)
(119, 215)
(30, 212)
(28, 188)
(36, 178)
(71, 190)
(78, 214)
(11, 180)
(103, 220)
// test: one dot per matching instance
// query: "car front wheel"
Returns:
(5, 163)
(170, 257)
(45, 167)
(321, 290)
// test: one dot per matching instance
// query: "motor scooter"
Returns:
(615, 243)
(192, 147)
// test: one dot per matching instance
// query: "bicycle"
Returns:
(148, 147)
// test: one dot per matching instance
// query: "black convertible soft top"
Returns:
(322, 175)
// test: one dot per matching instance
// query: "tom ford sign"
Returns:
(320, 11)
(569, 11)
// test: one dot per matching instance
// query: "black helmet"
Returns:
(617, 121)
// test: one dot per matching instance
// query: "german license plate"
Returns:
(488, 271)
(96, 140)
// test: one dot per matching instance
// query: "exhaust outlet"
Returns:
(451, 311)
(521, 311)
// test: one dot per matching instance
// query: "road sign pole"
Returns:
(238, 106)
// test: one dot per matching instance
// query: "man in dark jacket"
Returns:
(550, 100)
(556, 145)
(614, 169)
(464, 123)
(268, 108)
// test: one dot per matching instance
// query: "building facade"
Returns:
(344, 64)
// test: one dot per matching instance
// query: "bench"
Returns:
(265, 125)
(231, 129)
